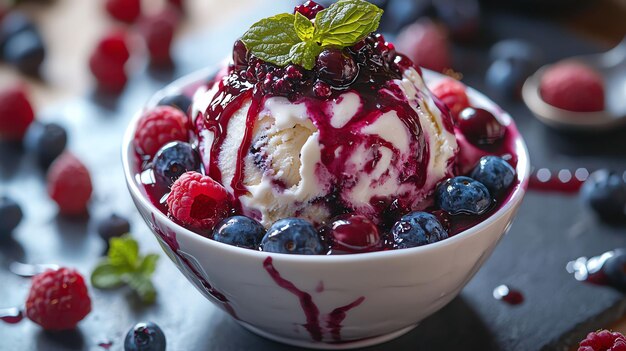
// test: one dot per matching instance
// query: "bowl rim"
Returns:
(514, 199)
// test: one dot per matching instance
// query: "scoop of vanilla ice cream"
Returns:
(285, 174)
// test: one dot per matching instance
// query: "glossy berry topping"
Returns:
(605, 193)
(309, 9)
(495, 173)
(573, 86)
(417, 229)
(240, 54)
(58, 299)
(353, 234)
(322, 90)
(46, 141)
(426, 44)
(239, 231)
(603, 340)
(198, 202)
(107, 61)
(158, 127)
(145, 336)
(292, 236)
(173, 160)
(452, 93)
(16, 113)
(10, 216)
(480, 126)
(113, 226)
(463, 195)
(124, 10)
(26, 51)
(69, 185)
(158, 33)
(336, 67)
(180, 101)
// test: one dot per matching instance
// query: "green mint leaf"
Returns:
(124, 252)
(142, 286)
(148, 264)
(271, 39)
(346, 22)
(106, 276)
(304, 27)
(305, 53)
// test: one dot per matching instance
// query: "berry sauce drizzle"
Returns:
(311, 311)
(106, 345)
(170, 239)
(510, 296)
(11, 315)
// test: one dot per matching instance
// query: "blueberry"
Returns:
(145, 337)
(417, 229)
(495, 173)
(605, 192)
(173, 160)
(239, 231)
(113, 226)
(615, 269)
(292, 236)
(46, 141)
(13, 23)
(180, 101)
(517, 50)
(463, 195)
(10, 215)
(26, 51)
(505, 78)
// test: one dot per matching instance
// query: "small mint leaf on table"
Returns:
(305, 53)
(271, 39)
(125, 266)
(304, 27)
(106, 276)
(346, 22)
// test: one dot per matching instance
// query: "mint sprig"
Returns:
(125, 266)
(288, 38)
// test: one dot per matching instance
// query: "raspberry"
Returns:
(452, 93)
(58, 300)
(198, 201)
(158, 32)
(426, 44)
(573, 86)
(158, 127)
(603, 340)
(108, 60)
(16, 113)
(124, 10)
(69, 184)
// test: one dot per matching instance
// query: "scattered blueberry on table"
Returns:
(145, 336)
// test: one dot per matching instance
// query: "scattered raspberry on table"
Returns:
(69, 184)
(16, 113)
(603, 340)
(58, 299)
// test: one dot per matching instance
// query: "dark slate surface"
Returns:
(549, 231)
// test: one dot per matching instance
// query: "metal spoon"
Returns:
(612, 66)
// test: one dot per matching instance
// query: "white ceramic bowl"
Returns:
(329, 302)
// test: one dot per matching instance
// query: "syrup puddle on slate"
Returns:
(106, 344)
(508, 295)
(11, 315)
(590, 270)
(563, 181)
